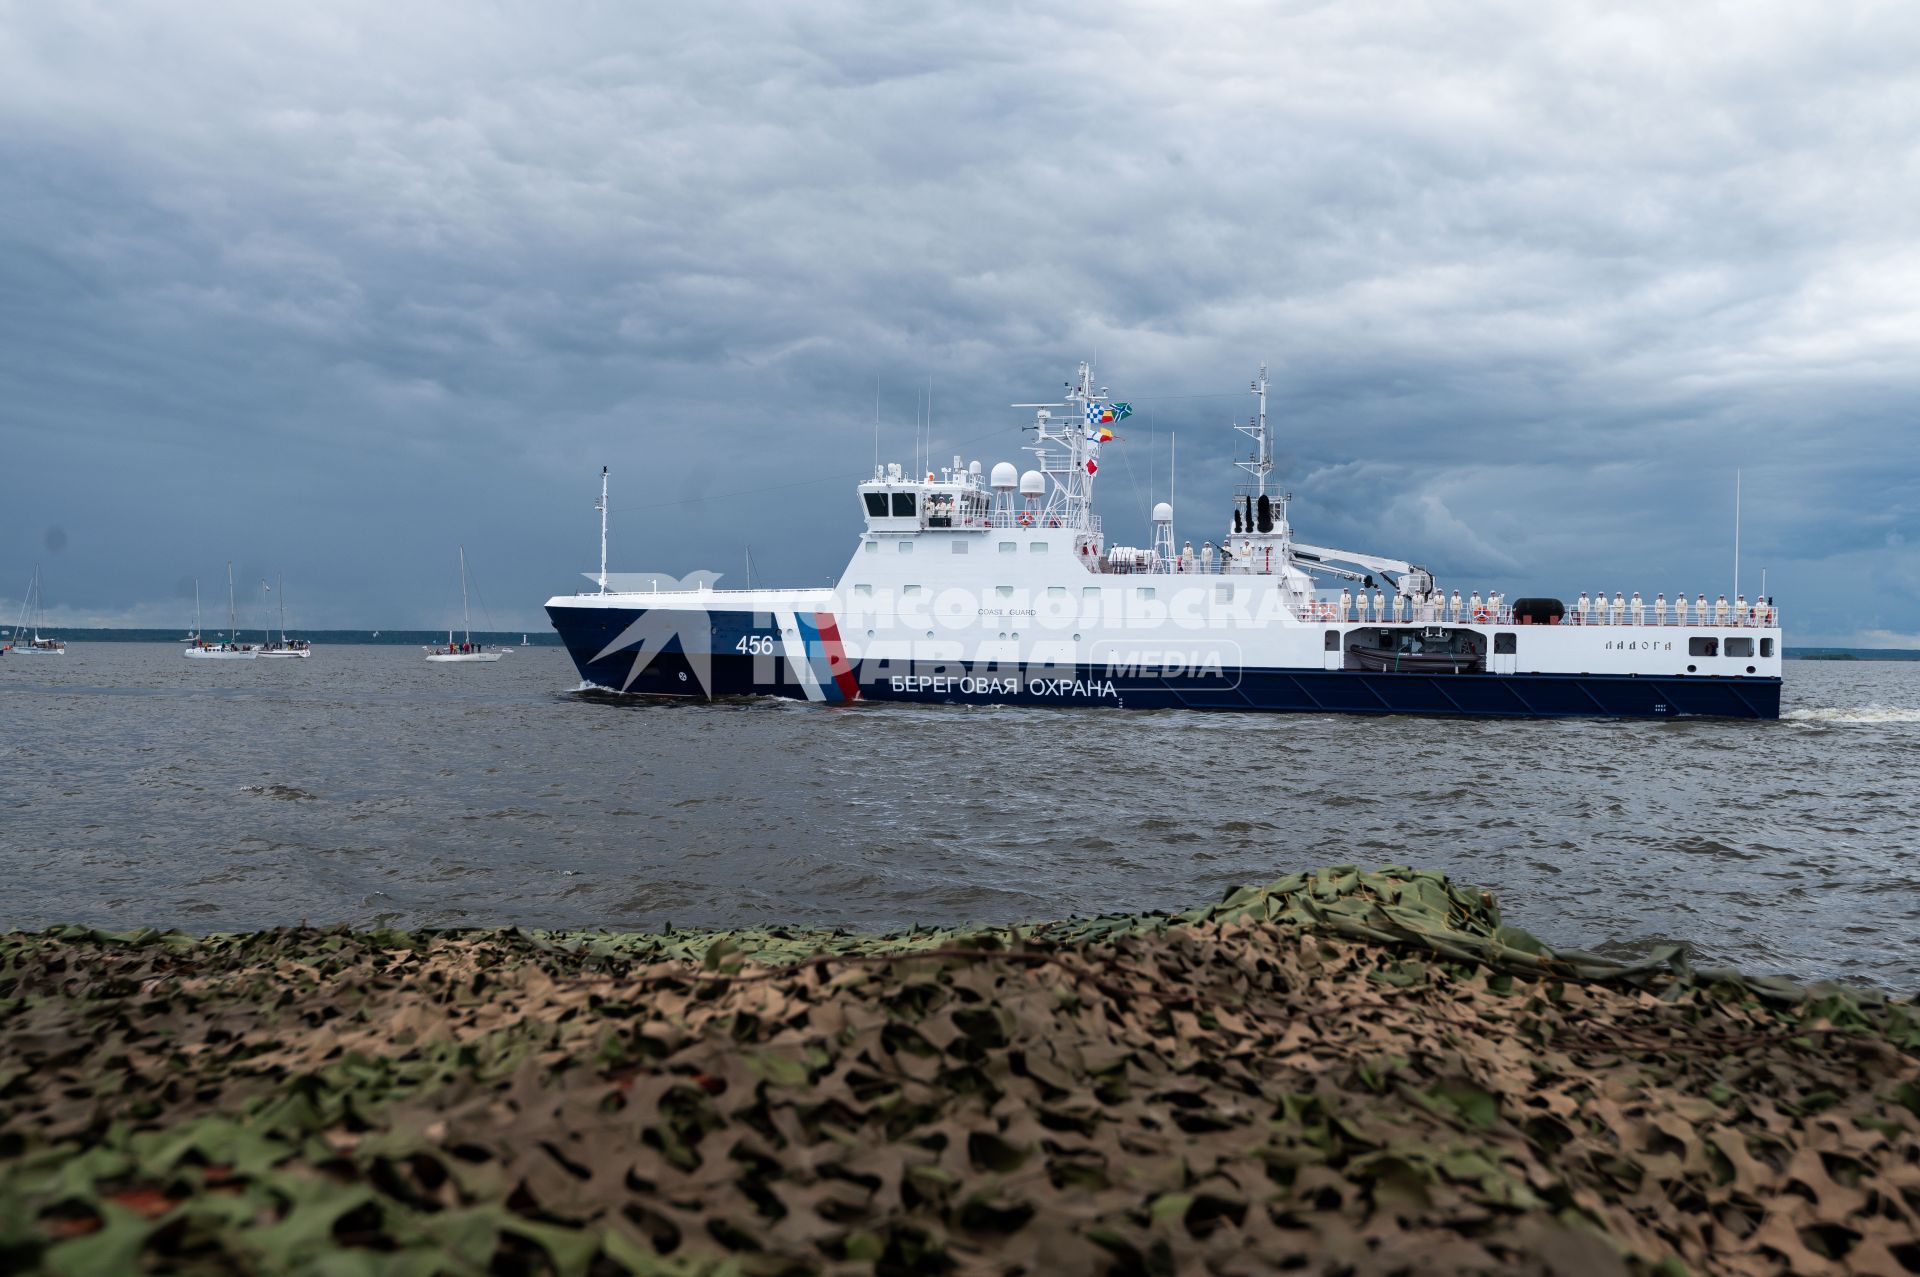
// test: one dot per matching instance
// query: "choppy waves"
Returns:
(1855, 714)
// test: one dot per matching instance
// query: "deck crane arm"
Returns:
(1403, 576)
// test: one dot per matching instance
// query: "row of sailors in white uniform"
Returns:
(1622, 612)
(1439, 606)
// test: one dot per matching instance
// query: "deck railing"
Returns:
(1754, 616)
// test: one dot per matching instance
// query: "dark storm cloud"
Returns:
(330, 291)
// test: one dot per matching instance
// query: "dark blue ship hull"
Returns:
(740, 654)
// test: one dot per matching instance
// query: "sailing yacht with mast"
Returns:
(30, 614)
(285, 647)
(466, 651)
(231, 650)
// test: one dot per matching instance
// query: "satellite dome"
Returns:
(1004, 476)
(973, 468)
(1033, 484)
(1163, 513)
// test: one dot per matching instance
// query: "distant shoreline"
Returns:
(320, 638)
(547, 638)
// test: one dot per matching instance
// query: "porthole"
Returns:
(1749, 669)
(1076, 638)
(1692, 668)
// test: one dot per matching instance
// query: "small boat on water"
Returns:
(30, 616)
(231, 650)
(285, 648)
(465, 652)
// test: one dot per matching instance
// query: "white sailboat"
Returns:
(231, 650)
(30, 614)
(285, 647)
(465, 652)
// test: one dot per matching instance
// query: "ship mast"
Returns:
(1260, 465)
(601, 506)
(1070, 499)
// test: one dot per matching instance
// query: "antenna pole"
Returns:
(1173, 457)
(602, 508)
(1736, 534)
(1266, 443)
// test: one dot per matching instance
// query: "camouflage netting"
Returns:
(1341, 1072)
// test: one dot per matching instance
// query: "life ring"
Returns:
(1053, 523)
(1482, 615)
(1026, 518)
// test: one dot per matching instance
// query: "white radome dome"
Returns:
(1004, 476)
(1033, 484)
(1163, 513)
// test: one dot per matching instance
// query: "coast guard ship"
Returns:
(1000, 587)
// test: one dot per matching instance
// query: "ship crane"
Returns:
(1403, 576)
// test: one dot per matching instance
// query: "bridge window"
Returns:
(1703, 645)
(903, 505)
(1766, 647)
(1505, 644)
(876, 504)
(1740, 647)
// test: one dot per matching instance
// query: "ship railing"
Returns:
(1020, 521)
(1762, 618)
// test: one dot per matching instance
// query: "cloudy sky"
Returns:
(330, 290)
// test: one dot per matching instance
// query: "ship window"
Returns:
(1223, 594)
(1090, 592)
(1505, 644)
(909, 590)
(903, 505)
(873, 547)
(876, 504)
(1056, 591)
(863, 591)
(906, 547)
(1004, 591)
(959, 547)
(1766, 647)
(1703, 645)
(1333, 640)
(1740, 647)
(1143, 592)
(1036, 547)
(1009, 547)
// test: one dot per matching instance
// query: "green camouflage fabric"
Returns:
(1341, 1072)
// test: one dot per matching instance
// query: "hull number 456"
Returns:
(755, 645)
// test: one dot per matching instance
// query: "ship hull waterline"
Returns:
(815, 669)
